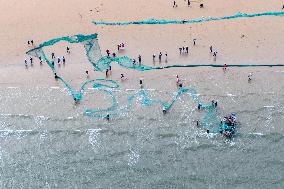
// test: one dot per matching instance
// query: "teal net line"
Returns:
(155, 21)
(105, 86)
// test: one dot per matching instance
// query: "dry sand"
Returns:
(262, 43)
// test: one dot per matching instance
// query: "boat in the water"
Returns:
(228, 125)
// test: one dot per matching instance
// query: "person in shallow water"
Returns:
(249, 76)
(164, 110)
(56, 76)
(107, 117)
(199, 106)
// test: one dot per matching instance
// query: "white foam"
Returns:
(54, 87)
(259, 134)
(12, 87)
(231, 95)
(268, 106)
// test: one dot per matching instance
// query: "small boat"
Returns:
(228, 125)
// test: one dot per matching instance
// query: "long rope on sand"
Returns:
(203, 19)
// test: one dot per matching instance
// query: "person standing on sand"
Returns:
(141, 83)
(175, 5)
(26, 63)
(31, 59)
(186, 48)
(160, 57)
(108, 53)
(109, 69)
(139, 59)
(166, 54)
(188, 2)
(194, 41)
(122, 77)
(32, 42)
(87, 74)
(178, 81)
(215, 55)
(154, 56)
(180, 49)
(40, 60)
(211, 49)
(63, 60)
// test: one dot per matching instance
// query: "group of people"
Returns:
(120, 46)
(59, 59)
(160, 57)
(188, 4)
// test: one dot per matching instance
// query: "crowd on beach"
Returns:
(121, 47)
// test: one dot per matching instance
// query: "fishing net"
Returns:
(155, 21)
(105, 86)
